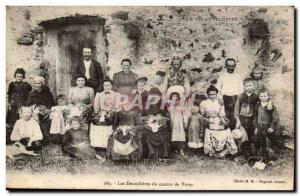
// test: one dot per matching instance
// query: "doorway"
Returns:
(66, 39)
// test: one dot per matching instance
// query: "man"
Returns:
(230, 85)
(91, 69)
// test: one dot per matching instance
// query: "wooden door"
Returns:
(70, 42)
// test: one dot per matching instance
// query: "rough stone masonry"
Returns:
(150, 36)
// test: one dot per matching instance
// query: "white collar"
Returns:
(264, 104)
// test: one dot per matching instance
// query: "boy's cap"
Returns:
(257, 68)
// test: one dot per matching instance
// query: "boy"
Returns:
(27, 128)
(265, 124)
(244, 108)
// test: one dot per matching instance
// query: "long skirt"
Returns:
(158, 144)
(99, 135)
(128, 147)
(219, 143)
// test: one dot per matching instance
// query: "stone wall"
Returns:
(151, 36)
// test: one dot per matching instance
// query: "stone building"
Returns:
(48, 41)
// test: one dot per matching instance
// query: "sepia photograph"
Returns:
(150, 98)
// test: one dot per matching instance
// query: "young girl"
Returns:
(195, 129)
(105, 106)
(218, 140)
(27, 128)
(177, 118)
(18, 92)
(265, 123)
(76, 141)
(257, 76)
(58, 116)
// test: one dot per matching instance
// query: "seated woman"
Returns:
(105, 107)
(42, 98)
(81, 98)
(26, 128)
(125, 143)
(76, 141)
(156, 134)
(218, 140)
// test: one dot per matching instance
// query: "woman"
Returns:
(126, 141)
(176, 77)
(218, 140)
(81, 98)
(42, 98)
(156, 142)
(105, 106)
(124, 81)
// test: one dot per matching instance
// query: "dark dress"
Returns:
(17, 95)
(76, 143)
(128, 146)
(157, 144)
(124, 83)
(46, 100)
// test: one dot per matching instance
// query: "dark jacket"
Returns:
(96, 75)
(43, 98)
(245, 105)
(266, 117)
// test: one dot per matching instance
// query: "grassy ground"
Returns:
(53, 161)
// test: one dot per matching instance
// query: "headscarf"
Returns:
(39, 79)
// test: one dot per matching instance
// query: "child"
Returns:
(27, 128)
(76, 141)
(104, 109)
(158, 80)
(177, 118)
(265, 123)
(218, 140)
(245, 106)
(198, 93)
(126, 141)
(195, 129)
(257, 76)
(18, 92)
(58, 116)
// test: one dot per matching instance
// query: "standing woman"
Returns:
(81, 98)
(124, 81)
(176, 77)
(42, 98)
(18, 92)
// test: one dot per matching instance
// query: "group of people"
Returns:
(131, 119)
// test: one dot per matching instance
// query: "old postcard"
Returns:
(150, 98)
